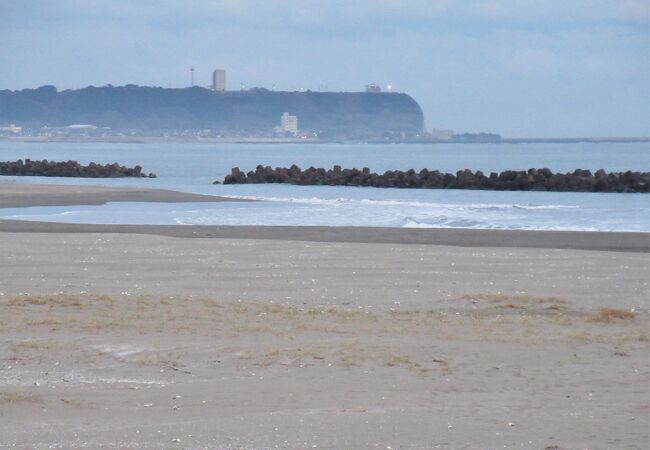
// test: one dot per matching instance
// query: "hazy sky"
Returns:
(516, 67)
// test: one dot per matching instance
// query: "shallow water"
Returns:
(193, 168)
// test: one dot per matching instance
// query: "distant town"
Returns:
(287, 130)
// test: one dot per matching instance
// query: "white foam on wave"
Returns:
(444, 222)
(414, 204)
(305, 200)
(411, 223)
(473, 225)
(304, 210)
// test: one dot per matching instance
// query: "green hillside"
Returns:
(256, 111)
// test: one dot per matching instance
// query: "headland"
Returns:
(141, 110)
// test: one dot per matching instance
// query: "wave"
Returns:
(475, 225)
(413, 204)
(412, 223)
(444, 222)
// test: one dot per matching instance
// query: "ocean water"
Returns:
(193, 168)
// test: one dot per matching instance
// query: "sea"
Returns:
(193, 167)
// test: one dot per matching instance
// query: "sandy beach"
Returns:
(18, 195)
(288, 337)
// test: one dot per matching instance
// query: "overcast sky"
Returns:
(515, 67)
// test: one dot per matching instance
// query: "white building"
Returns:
(442, 134)
(81, 126)
(12, 128)
(289, 124)
(373, 88)
(219, 80)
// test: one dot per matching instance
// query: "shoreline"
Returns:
(22, 195)
(630, 242)
(324, 337)
(17, 195)
(163, 140)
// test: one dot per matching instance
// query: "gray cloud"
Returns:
(360, 10)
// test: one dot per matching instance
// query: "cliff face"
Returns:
(257, 111)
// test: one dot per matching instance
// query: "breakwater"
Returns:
(47, 168)
(509, 180)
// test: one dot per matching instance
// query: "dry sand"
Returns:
(121, 340)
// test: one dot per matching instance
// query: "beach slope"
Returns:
(247, 337)
(149, 341)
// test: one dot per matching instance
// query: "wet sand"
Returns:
(576, 240)
(115, 338)
(22, 195)
(18, 195)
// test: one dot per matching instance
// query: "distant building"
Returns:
(289, 124)
(81, 126)
(373, 88)
(442, 134)
(219, 80)
(12, 128)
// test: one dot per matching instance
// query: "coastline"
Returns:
(20, 195)
(632, 242)
(15, 195)
(321, 337)
(271, 140)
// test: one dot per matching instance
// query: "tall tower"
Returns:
(219, 80)
(192, 76)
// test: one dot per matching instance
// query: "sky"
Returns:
(521, 68)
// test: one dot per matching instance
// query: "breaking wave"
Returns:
(412, 204)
